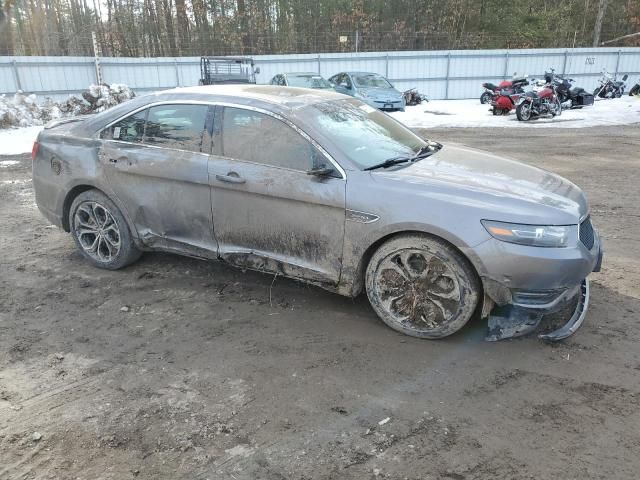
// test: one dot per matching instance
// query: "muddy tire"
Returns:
(101, 232)
(422, 286)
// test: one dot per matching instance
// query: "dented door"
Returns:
(160, 176)
(268, 213)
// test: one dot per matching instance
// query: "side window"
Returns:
(347, 80)
(260, 138)
(130, 129)
(176, 126)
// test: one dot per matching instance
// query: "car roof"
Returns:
(363, 73)
(274, 98)
(288, 97)
(295, 74)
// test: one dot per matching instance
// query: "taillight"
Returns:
(34, 150)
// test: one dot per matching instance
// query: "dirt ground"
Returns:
(181, 369)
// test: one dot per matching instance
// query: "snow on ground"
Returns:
(470, 113)
(14, 141)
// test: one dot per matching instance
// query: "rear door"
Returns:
(269, 214)
(156, 164)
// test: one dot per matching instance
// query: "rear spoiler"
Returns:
(64, 121)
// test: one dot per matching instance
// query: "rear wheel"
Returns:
(422, 286)
(486, 98)
(635, 90)
(523, 111)
(101, 232)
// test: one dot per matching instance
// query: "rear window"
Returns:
(172, 126)
(176, 126)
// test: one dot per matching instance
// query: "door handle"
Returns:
(122, 159)
(231, 177)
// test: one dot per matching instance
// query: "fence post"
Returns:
(319, 65)
(96, 55)
(386, 65)
(564, 66)
(506, 64)
(446, 86)
(16, 75)
(618, 62)
(175, 64)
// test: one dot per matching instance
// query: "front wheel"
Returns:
(523, 111)
(485, 98)
(421, 286)
(100, 231)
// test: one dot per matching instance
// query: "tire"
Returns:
(485, 98)
(523, 111)
(634, 91)
(421, 286)
(100, 231)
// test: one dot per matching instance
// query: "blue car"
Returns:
(371, 88)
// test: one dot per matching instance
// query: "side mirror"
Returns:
(321, 171)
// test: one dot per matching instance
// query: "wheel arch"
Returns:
(73, 193)
(358, 280)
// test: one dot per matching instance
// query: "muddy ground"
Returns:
(181, 369)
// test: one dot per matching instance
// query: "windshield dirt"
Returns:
(365, 135)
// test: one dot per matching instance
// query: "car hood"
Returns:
(506, 189)
(381, 93)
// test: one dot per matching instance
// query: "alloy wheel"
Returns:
(97, 231)
(417, 289)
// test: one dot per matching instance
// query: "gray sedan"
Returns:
(323, 188)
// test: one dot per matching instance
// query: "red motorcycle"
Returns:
(541, 103)
(491, 90)
(507, 95)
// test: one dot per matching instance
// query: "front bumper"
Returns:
(544, 282)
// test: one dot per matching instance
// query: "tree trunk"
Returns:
(602, 7)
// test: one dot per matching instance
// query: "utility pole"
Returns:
(602, 7)
(96, 55)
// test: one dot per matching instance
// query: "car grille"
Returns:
(586, 233)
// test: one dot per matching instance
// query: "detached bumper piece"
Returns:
(515, 321)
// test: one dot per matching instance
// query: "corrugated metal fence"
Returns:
(440, 74)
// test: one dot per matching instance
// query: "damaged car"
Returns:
(323, 188)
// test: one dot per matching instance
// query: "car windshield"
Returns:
(362, 133)
(307, 81)
(370, 80)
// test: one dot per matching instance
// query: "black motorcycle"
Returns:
(413, 97)
(610, 87)
(635, 90)
(570, 97)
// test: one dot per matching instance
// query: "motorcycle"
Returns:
(507, 98)
(537, 104)
(570, 97)
(635, 90)
(491, 91)
(610, 87)
(413, 97)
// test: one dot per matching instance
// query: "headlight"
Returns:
(532, 235)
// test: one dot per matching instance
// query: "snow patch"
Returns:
(9, 163)
(470, 113)
(16, 141)
(22, 110)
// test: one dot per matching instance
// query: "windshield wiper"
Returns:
(389, 162)
(424, 152)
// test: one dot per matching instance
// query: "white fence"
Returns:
(440, 74)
